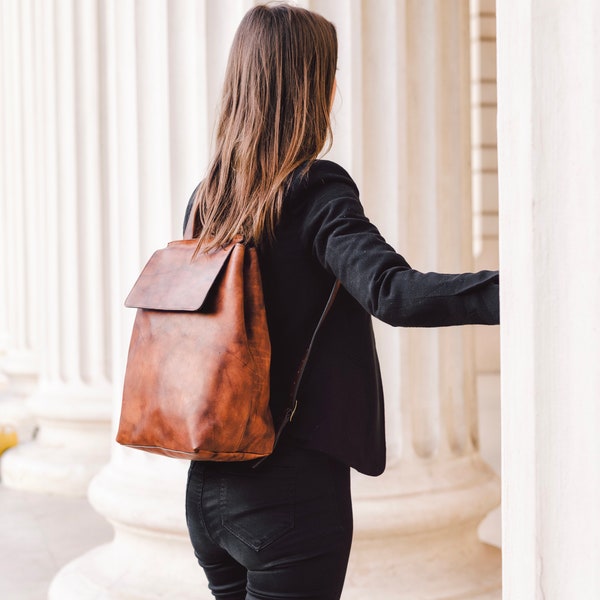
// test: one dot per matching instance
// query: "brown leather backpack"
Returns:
(197, 377)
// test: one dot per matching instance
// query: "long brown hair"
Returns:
(275, 116)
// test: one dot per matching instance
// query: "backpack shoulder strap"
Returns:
(291, 410)
(293, 405)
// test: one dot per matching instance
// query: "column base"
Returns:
(34, 467)
(18, 379)
(72, 444)
(452, 564)
(151, 557)
(420, 540)
(20, 369)
(3, 381)
(137, 564)
(13, 411)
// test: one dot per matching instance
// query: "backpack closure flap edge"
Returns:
(171, 280)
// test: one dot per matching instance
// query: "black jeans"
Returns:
(280, 531)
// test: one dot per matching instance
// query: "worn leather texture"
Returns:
(197, 377)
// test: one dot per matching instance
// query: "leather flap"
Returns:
(171, 280)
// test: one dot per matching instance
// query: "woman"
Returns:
(284, 529)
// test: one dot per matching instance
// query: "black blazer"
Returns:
(324, 235)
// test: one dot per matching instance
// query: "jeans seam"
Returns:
(201, 509)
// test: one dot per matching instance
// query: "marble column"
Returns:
(549, 151)
(19, 251)
(4, 148)
(4, 193)
(72, 400)
(164, 66)
(416, 526)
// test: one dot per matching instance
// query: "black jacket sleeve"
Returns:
(351, 248)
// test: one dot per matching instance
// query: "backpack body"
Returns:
(197, 377)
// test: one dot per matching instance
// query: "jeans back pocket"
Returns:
(257, 506)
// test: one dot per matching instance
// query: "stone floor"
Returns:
(40, 533)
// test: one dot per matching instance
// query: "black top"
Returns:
(324, 235)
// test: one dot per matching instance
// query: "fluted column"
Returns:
(20, 250)
(72, 401)
(4, 148)
(416, 526)
(549, 152)
(164, 66)
(4, 187)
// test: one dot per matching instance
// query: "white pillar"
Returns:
(18, 229)
(549, 152)
(416, 526)
(4, 148)
(162, 87)
(20, 253)
(72, 401)
(4, 191)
